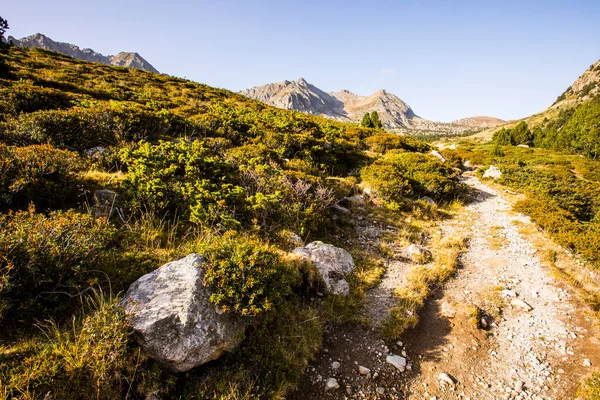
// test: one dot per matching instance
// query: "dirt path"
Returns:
(537, 340)
(502, 328)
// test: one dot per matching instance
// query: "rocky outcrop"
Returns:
(174, 320)
(332, 263)
(123, 59)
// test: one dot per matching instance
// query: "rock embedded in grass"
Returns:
(333, 264)
(174, 320)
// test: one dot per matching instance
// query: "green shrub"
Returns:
(381, 143)
(44, 259)
(26, 97)
(397, 175)
(39, 174)
(247, 276)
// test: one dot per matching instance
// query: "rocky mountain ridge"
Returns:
(584, 88)
(123, 59)
(343, 105)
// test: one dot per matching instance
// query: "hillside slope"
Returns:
(123, 59)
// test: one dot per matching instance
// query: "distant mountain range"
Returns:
(123, 59)
(344, 105)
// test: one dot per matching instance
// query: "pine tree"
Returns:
(3, 29)
(375, 120)
(366, 121)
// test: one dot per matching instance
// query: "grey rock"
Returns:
(446, 379)
(493, 172)
(397, 361)
(447, 310)
(95, 152)
(174, 320)
(332, 384)
(429, 200)
(333, 264)
(521, 304)
(363, 370)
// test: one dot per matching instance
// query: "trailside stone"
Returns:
(493, 172)
(447, 310)
(397, 361)
(333, 264)
(363, 370)
(174, 320)
(332, 384)
(521, 304)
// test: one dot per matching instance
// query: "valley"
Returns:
(164, 239)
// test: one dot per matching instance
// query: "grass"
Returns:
(421, 281)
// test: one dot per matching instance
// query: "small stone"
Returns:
(521, 304)
(375, 375)
(348, 389)
(335, 365)
(587, 362)
(380, 390)
(519, 386)
(447, 310)
(332, 384)
(397, 361)
(445, 378)
(363, 370)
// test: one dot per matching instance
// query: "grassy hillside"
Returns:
(196, 169)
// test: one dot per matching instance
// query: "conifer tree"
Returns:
(366, 121)
(3, 29)
(375, 121)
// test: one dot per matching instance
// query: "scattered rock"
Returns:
(493, 172)
(418, 253)
(333, 263)
(508, 293)
(380, 390)
(335, 365)
(397, 361)
(332, 384)
(446, 379)
(348, 389)
(521, 304)
(428, 200)
(353, 201)
(437, 155)
(524, 146)
(587, 362)
(339, 209)
(174, 320)
(363, 370)
(519, 386)
(447, 310)
(95, 152)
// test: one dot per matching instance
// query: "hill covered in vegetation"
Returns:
(106, 173)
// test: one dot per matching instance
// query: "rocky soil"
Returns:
(502, 328)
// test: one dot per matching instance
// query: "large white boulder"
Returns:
(333, 264)
(174, 320)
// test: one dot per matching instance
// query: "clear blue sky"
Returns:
(447, 59)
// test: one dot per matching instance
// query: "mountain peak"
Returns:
(301, 81)
(124, 59)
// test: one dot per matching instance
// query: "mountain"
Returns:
(344, 105)
(394, 113)
(479, 122)
(584, 88)
(123, 59)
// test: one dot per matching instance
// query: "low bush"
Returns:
(247, 276)
(401, 174)
(46, 261)
(39, 174)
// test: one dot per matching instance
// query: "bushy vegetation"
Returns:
(575, 130)
(196, 169)
(398, 175)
